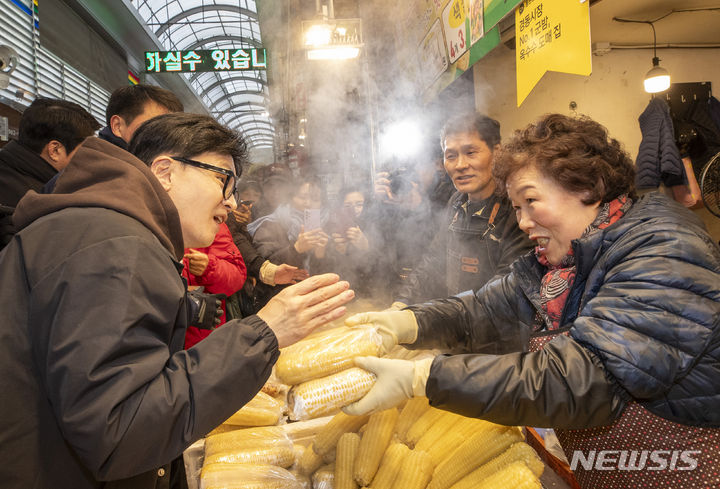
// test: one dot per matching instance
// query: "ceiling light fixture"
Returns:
(657, 79)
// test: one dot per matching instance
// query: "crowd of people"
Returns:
(158, 283)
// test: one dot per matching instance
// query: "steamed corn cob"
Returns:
(262, 410)
(419, 427)
(323, 396)
(410, 413)
(347, 449)
(373, 444)
(247, 438)
(516, 475)
(390, 466)
(415, 471)
(326, 353)
(482, 446)
(446, 444)
(280, 456)
(310, 461)
(246, 476)
(518, 452)
(329, 435)
(324, 477)
(445, 424)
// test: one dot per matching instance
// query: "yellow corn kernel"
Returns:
(347, 449)
(419, 427)
(415, 471)
(246, 476)
(481, 447)
(319, 397)
(444, 424)
(518, 452)
(281, 456)
(516, 475)
(324, 477)
(341, 423)
(326, 353)
(446, 444)
(309, 461)
(248, 438)
(262, 410)
(374, 441)
(410, 413)
(390, 466)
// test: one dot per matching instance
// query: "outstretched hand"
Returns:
(297, 310)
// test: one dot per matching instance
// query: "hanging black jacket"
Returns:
(643, 317)
(97, 391)
(658, 160)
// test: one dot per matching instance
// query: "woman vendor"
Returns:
(617, 309)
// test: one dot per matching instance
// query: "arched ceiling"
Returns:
(236, 99)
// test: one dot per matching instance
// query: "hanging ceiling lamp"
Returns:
(658, 78)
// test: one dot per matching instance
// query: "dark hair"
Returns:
(348, 189)
(313, 181)
(48, 119)
(249, 185)
(486, 127)
(187, 135)
(577, 153)
(129, 102)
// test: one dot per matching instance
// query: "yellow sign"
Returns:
(551, 35)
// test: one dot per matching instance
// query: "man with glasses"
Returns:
(97, 389)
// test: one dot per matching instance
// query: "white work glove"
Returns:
(397, 380)
(393, 326)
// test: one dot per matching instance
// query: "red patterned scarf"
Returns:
(557, 282)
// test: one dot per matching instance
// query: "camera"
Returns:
(8, 63)
(400, 182)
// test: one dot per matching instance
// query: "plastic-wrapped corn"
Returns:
(374, 441)
(326, 353)
(347, 449)
(324, 477)
(415, 471)
(518, 452)
(390, 466)
(516, 475)
(480, 448)
(261, 410)
(410, 413)
(326, 395)
(246, 476)
(247, 439)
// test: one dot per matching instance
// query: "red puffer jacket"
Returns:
(225, 274)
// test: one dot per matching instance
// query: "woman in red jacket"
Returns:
(219, 268)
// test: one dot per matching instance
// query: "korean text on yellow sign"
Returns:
(551, 35)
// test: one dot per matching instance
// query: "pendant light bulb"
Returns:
(657, 79)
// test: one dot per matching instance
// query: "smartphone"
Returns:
(312, 219)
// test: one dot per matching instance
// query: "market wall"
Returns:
(613, 94)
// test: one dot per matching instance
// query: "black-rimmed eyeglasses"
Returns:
(229, 182)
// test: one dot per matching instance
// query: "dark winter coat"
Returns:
(658, 159)
(95, 384)
(644, 324)
(468, 250)
(20, 170)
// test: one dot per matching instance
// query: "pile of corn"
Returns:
(321, 370)
(419, 447)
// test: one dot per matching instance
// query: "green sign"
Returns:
(205, 60)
